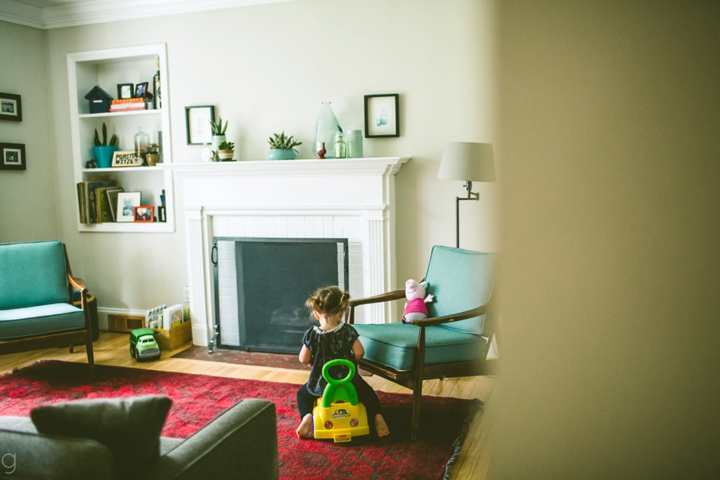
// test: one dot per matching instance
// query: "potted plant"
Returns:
(226, 150)
(152, 157)
(218, 133)
(103, 150)
(282, 147)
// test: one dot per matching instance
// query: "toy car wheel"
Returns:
(135, 354)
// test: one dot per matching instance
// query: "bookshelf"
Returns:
(107, 69)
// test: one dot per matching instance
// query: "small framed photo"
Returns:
(143, 214)
(13, 156)
(382, 118)
(10, 107)
(197, 124)
(126, 203)
(125, 90)
(141, 89)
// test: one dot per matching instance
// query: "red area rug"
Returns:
(197, 399)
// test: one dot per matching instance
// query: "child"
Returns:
(331, 340)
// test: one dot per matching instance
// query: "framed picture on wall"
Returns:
(197, 124)
(382, 118)
(10, 107)
(126, 203)
(12, 156)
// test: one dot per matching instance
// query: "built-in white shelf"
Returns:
(107, 69)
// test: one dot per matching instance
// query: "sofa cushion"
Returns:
(33, 273)
(40, 320)
(395, 345)
(128, 427)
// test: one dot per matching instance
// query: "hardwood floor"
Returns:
(474, 462)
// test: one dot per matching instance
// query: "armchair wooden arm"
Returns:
(383, 297)
(475, 312)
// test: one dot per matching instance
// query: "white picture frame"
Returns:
(126, 203)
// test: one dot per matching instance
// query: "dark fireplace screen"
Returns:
(261, 285)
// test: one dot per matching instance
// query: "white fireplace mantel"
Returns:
(348, 198)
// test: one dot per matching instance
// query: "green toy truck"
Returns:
(143, 345)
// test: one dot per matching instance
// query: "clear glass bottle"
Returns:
(142, 140)
(340, 147)
(325, 129)
(354, 144)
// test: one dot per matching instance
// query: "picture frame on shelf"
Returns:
(382, 116)
(126, 203)
(12, 156)
(10, 107)
(143, 214)
(125, 90)
(197, 124)
(141, 89)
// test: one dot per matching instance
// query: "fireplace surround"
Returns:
(353, 199)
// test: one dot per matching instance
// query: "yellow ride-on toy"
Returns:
(338, 414)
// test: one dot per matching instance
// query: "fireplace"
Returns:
(261, 285)
(350, 199)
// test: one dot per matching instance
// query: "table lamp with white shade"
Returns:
(469, 162)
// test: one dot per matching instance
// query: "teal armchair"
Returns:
(36, 295)
(452, 342)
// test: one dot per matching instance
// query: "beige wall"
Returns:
(268, 68)
(610, 113)
(27, 198)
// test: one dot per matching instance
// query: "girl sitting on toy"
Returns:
(331, 340)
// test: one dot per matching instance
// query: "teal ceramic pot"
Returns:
(103, 155)
(281, 154)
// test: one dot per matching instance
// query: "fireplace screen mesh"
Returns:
(261, 286)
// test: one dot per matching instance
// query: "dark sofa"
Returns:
(240, 443)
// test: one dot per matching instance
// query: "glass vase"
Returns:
(142, 140)
(325, 130)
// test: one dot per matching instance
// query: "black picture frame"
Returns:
(125, 90)
(382, 115)
(141, 89)
(197, 124)
(10, 107)
(12, 156)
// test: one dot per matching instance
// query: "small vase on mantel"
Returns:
(325, 130)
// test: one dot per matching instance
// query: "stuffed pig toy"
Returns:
(415, 308)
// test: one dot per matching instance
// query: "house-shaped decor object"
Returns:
(99, 100)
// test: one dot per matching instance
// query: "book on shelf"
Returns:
(127, 104)
(111, 195)
(102, 207)
(87, 199)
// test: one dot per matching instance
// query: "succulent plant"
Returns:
(217, 128)
(153, 148)
(226, 146)
(113, 139)
(283, 142)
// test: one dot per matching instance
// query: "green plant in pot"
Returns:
(226, 150)
(282, 147)
(218, 133)
(103, 150)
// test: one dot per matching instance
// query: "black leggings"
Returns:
(366, 395)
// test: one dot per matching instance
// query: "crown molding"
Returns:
(92, 12)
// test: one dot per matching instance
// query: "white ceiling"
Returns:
(46, 14)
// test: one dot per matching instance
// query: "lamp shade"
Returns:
(467, 161)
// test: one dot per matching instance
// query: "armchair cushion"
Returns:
(395, 345)
(40, 320)
(460, 280)
(33, 273)
(128, 427)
